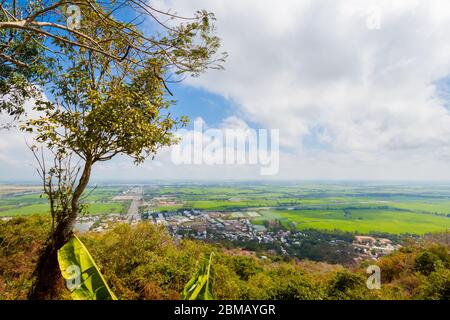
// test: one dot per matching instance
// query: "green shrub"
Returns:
(348, 286)
(425, 262)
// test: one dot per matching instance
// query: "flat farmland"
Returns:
(21, 202)
(362, 221)
(355, 207)
(18, 189)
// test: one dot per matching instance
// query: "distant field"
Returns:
(346, 206)
(99, 202)
(441, 207)
(349, 207)
(108, 208)
(219, 205)
(363, 221)
(23, 205)
(14, 189)
(93, 208)
(102, 193)
(25, 210)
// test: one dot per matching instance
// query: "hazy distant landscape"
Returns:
(353, 207)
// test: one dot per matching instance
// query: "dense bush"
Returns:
(426, 262)
(348, 286)
(437, 285)
(20, 241)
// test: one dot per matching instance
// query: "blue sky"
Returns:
(197, 102)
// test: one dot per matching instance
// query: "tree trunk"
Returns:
(47, 274)
(48, 280)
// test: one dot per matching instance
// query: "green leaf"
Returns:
(83, 278)
(199, 286)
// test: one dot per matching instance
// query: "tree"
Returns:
(34, 35)
(20, 77)
(245, 267)
(437, 285)
(347, 286)
(108, 96)
(425, 262)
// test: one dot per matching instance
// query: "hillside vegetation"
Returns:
(144, 262)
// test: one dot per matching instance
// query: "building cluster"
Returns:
(231, 226)
(100, 223)
(202, 225)
(236, 226)
(165, 200)
(218, 226)
(372, 247)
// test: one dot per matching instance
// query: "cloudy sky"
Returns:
(357, 89)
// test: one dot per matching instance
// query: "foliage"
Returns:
(347, 285)
(437, 285)
(144, 262)
(36, 36)
(425, 262)
(91, 284)
(24, 72)
(20, 241)
(199, 286)
(245, 267)
(285, 282)
(397, 265)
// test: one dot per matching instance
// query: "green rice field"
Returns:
(363, 221)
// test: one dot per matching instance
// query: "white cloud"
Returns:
(316, 71)
(16, 159)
